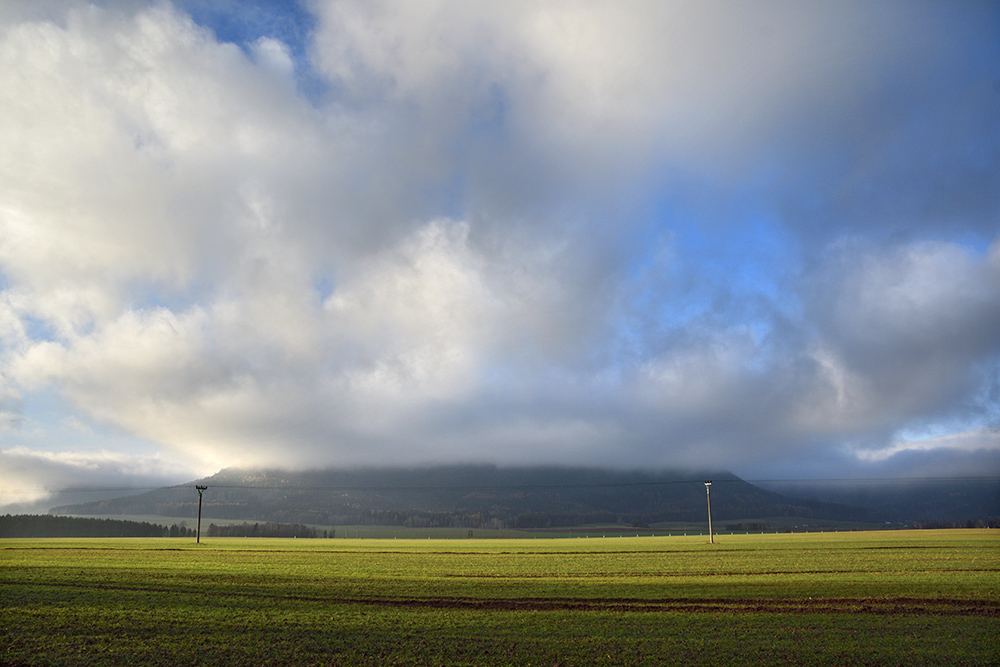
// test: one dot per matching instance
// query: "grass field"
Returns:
(880, 598)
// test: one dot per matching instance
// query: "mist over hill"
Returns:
(474, 496)
(926, 501)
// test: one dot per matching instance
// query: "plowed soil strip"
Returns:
(819, 605)
(911, 606)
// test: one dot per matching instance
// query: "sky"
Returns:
(762, 237)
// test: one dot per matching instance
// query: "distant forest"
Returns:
(267, 529)
(45, 525)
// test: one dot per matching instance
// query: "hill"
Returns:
(928, 502)
(468, 496)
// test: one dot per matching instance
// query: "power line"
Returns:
(522, 487)
(818, 480)
(513, 487)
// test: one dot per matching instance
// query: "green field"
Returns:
(893, 597)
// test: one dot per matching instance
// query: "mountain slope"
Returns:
(925, 501)
(468, 496)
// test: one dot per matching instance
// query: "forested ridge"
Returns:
(528, 498)
(468, 496)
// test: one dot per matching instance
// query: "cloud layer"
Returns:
(628, 234)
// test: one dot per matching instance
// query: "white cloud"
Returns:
(975, 440)
(29, 479)
(699, 379)
(907, 330)
(439, 259)
(919, 296)
(625, 81)
(274, 56)
(423, 313)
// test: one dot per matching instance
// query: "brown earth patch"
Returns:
(899, 605)
(814, 605)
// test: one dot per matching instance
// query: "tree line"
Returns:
(268, 529)
(47, 525)
(969, 523)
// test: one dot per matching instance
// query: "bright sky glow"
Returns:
(760, 236)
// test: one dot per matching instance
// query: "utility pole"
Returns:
(708, 494)
(201, 490)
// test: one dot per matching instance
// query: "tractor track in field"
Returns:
(912, 606)
(815, 605)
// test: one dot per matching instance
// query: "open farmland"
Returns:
(895, 597)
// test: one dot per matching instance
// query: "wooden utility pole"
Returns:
(708, 494)
(201, 490)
